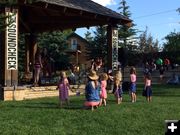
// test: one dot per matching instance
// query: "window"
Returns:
(73, 44)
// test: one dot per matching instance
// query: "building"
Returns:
(41, 16)
(77, 50)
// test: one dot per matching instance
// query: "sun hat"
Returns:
(92, 75)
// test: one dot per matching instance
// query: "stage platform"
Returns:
(27, 92)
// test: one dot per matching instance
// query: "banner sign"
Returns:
(115, 62)
(12, 39)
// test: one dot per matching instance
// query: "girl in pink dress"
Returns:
(103, 94)
(63, 87)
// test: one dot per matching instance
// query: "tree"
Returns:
(54, 42)
(150, 43)
(147, 43)
(88, 37)
(142, 41)
(100, 41)
(156, 46)
(21, 52)
(178, 10)
(126, 34)
(8, 3)
(172, 42)
(98, 44)
(56, 45)
(172, 47)
(3, 17)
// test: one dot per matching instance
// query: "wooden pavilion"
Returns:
(49, 15)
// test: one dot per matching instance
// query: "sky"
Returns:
(160, 16)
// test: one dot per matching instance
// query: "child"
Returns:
(148, 87)
(133, 84)
(92, 90)
(37, 67)
(103, 94)
(117, 90)
(63, 87)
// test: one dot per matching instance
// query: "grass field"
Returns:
(43, 117)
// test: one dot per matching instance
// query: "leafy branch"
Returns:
(178, 10)
(3, 16)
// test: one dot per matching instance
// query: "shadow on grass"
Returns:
(74, 105)
(166, 95)
(33, 106)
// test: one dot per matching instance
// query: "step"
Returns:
(44, 88)
(80, 88)
(39, 92)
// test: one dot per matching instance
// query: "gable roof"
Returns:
(77, 36)
(87, 5)
(49, 15)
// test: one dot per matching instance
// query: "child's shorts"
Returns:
(133, 87)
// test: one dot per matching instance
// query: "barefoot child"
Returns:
(103, 94)
(117, 90)
(148, 87)
(63, 87)
(133, 84)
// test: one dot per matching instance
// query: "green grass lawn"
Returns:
(43, 117)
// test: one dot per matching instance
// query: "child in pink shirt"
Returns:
(148, 87)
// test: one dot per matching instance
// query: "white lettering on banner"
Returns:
(114, 49)
(12, 40)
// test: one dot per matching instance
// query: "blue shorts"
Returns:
(148, 91)
(133, 87)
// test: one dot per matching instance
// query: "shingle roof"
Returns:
(87, 5)
(78, 36)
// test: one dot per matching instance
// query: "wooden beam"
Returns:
(61, 11)
(64, 9)
(109, 40)
(95, 16)
(50, 27)
(25, 1)
(71, 23)
(81, 12)
(65, 19)
(46, 6)
(24, 24)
